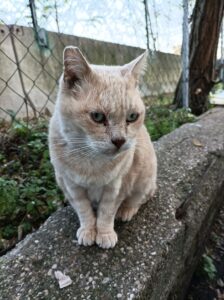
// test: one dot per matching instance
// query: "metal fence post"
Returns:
(222, 56)
(185, 56)
(39, 32)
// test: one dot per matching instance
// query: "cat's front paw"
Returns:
(126, 213)
(106, 240)
(86, 236)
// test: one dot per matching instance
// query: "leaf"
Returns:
(197, 143)
(209, 266)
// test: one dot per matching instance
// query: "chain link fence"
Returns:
(31, 56)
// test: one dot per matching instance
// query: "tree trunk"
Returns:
(204, 37)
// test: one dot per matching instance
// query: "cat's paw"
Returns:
(106, 240)
(126, 213)
(86, 236)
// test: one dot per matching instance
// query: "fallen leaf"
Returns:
(197, 143)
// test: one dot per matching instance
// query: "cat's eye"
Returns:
(132, 117)
(98, 117)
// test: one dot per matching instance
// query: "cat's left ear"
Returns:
(76, 67)
(135, 67)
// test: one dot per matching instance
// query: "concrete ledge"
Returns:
(156, 252)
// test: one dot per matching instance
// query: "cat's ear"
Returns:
(136, 67)
(76, 67)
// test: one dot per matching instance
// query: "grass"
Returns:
(28, 192)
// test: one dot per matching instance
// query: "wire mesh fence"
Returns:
(31, 55)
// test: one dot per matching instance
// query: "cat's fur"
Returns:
(89, 167)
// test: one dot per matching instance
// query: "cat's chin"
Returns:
(114, 153)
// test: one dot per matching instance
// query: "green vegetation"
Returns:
(161, 120)
(218, 87)
(28, 192)
(206, 267)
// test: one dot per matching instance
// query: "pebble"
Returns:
(54, 267)
(105, 280)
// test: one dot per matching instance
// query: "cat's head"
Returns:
(100, 106)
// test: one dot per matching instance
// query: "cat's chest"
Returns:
(95, 193)
(91, 179)
(94, 175)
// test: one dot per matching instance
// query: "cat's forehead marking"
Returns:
(115, 94)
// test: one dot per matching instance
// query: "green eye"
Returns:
(98, 117)
(132, 117)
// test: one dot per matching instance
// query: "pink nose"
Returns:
(118, 142)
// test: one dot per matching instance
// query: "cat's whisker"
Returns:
(74, 158)
(79, 142)
(68, 144)
(82, 149)
(72, 152)
(102, 145)
(70, 139)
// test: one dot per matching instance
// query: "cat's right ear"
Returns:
(136, 67)
(76, 67)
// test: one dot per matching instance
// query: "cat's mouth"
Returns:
(114, 152)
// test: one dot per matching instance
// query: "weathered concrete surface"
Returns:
(31, 72)
(156, 253)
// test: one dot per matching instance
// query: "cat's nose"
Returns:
(118, 142)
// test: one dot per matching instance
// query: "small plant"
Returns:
(206, 267)
(162, 120)
(28, 192)
(8, 196)
(217, 87)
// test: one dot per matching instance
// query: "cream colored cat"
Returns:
(100, 149)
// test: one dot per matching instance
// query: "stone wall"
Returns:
(29, 73)
(157, 251)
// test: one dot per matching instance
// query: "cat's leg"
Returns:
(77, 196)
(106, 236)
(86, 233)
(130, 206)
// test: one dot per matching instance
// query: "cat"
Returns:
(99, 147)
